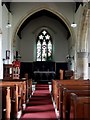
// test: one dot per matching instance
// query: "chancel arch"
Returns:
(53, 13)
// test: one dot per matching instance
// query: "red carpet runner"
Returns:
(40, 106)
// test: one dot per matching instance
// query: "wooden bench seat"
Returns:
(66, 101)
(6, 102)
(17, 95)
(57, 83)
(21, 87)
(13, 98)
(80, 107)
(27, 85)
(29, 88)
(63, 92)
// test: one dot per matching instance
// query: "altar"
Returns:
(44, 75)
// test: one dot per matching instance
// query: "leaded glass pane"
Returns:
(39, 51)
(44, 32)
(44, 51)
(44, 46)
(41, 37)
(47, 37)
(49, 50)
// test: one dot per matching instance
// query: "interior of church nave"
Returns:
(41, 42)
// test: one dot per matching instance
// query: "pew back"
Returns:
(66, 103)
(57, 83)
(81, 107)
(64, 97)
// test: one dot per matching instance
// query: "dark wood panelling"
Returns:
(26, 67)
(60, 65)
(30, 67)
(43, 66)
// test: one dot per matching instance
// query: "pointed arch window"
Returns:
(44, 46)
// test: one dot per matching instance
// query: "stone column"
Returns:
(1, 59)
(82, 65)
(89, 43)
(82, 52)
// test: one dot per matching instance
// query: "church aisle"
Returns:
(40, 106)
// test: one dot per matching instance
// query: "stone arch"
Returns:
(58, 14)
(55, 12)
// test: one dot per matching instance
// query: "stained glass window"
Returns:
(44, 46)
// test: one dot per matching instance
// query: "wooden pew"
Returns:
(13, 98)
(80, 107)
(66, 101)
(21, 84)
(55, 92)
(29, 87)
(6, 102)
(26, 85)
(74, 85)
(17, 96)
(57, 83)
(61, 74)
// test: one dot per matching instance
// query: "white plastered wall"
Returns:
(6, 36)
(30, 8)
(29, 36)
(1, 62)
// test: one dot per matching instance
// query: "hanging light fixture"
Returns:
(73, 24)
(8, 23)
